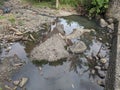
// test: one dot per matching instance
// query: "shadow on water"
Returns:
(77, 73)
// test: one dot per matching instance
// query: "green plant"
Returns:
(73, 3)
(0, 88)
(98, 7)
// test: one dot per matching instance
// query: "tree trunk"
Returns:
(57, 4)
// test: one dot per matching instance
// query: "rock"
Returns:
(101, 83)
(77, 33)
(8, 87)
(78, 47)
(110, 20)
(16, 82)
(103, 60)
(111, 26)
(59, 27)
(23, 81)
(6, 10)
(100, 39)
(98, 67)
(92, 71)
(8, 48)
(52, 49)
(101, 74)
(103, 23)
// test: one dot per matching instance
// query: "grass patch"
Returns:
(2, 17)
(40, 4)
(44, 4)
(11, 18)
(52, 4)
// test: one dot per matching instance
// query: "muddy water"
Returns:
(75, 74)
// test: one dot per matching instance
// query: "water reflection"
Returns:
(79, 71)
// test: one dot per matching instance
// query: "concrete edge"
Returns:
(113, 73)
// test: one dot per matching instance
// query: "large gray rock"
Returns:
(78, 47)
(52, 49)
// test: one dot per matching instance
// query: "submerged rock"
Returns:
(77, 33)
(78, 47)
(52, 49)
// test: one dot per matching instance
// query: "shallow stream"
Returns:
(78, 73)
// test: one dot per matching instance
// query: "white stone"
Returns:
(16, 82)
(98, 67)
(23, 81)
(103, 23)
(103, 60)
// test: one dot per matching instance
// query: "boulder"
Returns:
(103, 23)
(78, 47)
(52, 49)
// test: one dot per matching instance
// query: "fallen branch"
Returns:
(17, 32)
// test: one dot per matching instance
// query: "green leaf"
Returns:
(94, 2)
(98, 10)
(105, 6)
(92, 10)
